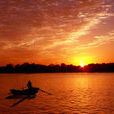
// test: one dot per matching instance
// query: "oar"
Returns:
(45, 92)
(19, 101)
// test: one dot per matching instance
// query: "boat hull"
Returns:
(31, 91)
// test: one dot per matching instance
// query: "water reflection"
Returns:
(72, 93)
(21, 97)
(82, 82)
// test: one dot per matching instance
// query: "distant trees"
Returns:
(7, 69)
(109, 67)
(38, 68)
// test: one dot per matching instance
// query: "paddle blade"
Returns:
(45, 92)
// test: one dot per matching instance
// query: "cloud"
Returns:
(100, 40)
(43, 26)
(18, 18)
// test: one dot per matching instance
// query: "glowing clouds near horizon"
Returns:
(46, 31)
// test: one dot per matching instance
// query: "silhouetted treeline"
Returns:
(38, 68)
(109, 67)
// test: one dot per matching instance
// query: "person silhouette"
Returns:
(29, 85)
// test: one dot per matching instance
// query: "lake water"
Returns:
(79, 93)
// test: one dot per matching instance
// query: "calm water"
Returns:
(81, 93)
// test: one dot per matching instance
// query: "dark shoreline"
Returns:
(63, 68)
(56, 72)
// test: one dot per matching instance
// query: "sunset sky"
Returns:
(56, 31)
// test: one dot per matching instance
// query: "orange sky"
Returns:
(56, 31)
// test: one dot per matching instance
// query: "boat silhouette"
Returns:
(31, 91)
(22, 94)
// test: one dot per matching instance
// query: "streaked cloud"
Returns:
(51, 27)
(100, 40)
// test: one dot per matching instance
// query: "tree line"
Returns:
(39, 68)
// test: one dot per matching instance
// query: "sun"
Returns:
(82, 64)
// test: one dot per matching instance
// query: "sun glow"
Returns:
(82, 61)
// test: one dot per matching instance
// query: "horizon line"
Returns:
(54, 64)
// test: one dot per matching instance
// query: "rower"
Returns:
(29, 85)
